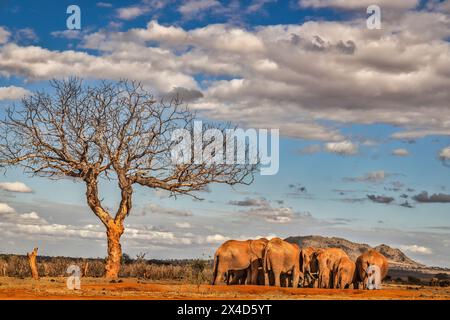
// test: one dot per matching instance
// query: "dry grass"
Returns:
(185, 271)
(131, 288)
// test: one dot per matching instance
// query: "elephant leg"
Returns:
(219, 276)
(254, 274)
(266, 278)
(277, 276)
(336, 282)
(284, 280)
(323, 281)
(244, 277)
(295, 278)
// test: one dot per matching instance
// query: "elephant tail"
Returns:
(215, 266)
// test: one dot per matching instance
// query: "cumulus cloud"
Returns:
(129, 13)
(358, 4)
(216, 238)
(142, 8)
(15, 187)
(183, 225)
(5, 208)
(13, 93)
(68, 34)
(193, 7)
(279, 215)
(25, 35)
(4, 35)
(9, 215)
(434, 198)
(400, 152)
(444, 154)
(406, 67)
(342, 148)
(416, 249)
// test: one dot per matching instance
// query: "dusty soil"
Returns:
(94, 288)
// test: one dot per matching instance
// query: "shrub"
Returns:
(414, 280)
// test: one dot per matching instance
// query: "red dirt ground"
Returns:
(11, 288)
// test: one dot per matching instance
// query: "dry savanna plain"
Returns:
(50, 288)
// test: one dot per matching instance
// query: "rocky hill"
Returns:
(395, 256)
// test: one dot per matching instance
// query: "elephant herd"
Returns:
(281, 263)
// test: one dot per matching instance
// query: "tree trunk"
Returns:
(85, 269)
(114, 232)
(33, 266)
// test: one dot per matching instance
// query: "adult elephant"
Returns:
(326, 262)
(281, 258)
(368, 258)
(239, 255)
(344, 273)
(309, 266)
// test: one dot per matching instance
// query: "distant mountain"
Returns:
(353, 249)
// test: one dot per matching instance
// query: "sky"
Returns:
(363, 114)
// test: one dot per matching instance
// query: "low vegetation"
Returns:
(185, 271)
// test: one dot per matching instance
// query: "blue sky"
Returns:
(361, 113)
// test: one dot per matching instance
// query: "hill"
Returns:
(395, 256)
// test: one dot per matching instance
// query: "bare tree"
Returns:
(116, 131)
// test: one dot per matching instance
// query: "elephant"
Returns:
(368, 258)
(239, 255)
(344, 273)
(281, 258)
(308, 265)
(326, 262)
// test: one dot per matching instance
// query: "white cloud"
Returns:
(4, 35)
(399, 76)
(416, 249)
(129, 13)
(32, 215)
(342, 148)
(444, 154)
(15, 187)
(5, 208)
(192, 7)
(144, 7)
(358, 4)
(68, 34)
(183, 225)
(216, 238)
(278, 215)
(12, 93)
(25, 35)
(400, 152)
(9, 215)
